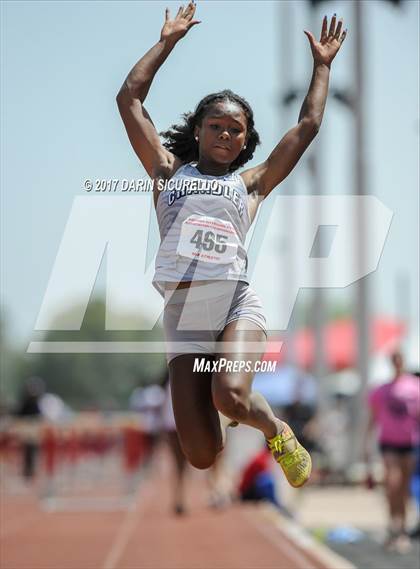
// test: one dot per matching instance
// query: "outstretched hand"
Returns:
(177, 28)
(326, 48)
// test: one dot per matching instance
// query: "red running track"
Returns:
(147, 537)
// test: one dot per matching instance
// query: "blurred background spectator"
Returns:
(395, 411)
(147, 402)
(180, 464)
(29, 413)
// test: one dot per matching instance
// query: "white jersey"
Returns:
(203, 221)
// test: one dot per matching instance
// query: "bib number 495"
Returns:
(209, 241)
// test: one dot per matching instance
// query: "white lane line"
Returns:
(144, 492)
(273, 535)
(296, 533)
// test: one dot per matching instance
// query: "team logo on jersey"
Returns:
(186, 187)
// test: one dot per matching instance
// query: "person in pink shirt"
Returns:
(395, 412)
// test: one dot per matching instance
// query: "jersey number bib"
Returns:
(208, 239)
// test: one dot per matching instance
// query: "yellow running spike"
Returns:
(293, 458)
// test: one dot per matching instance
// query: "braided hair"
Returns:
(180, 140)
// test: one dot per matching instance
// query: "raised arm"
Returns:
(267, 175)
(156, 159)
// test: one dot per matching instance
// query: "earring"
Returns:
(196, 138)
(244, 148)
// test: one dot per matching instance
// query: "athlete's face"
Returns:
(222, 134)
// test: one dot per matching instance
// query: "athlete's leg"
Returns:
(392, 485)
(232, 391)
(180, 470)
(407, 462)
(197, 420)
(396, 481)
(233, 396)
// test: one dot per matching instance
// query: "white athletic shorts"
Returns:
(194, 317)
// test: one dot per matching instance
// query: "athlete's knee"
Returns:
(232, 402)
(201, 452)
(395, 481)
(201, 458)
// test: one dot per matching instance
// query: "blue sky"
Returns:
(63, 63)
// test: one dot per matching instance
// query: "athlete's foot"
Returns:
(293, 458)
(179, 509)
(218, 500)
(403, 543)
(389, 540)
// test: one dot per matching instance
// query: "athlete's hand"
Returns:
(326, 48)
(174, 30)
